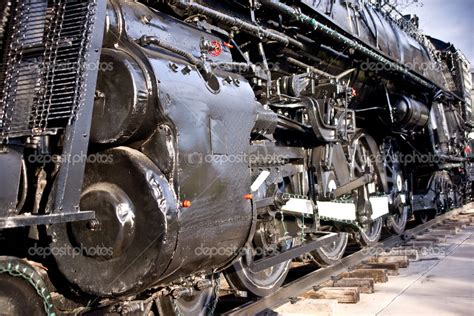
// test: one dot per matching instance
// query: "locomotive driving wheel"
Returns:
(397, 188)
(331, 254)
(269, 239)
(424, 216)
(362, 161)
(443, 195)
(264, 282)
(200, 302)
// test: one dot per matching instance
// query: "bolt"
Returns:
(186, 70)
(173, 67)
(203, 284)
(93, 225)
(99, 94)
(180, 292)
(146, 19)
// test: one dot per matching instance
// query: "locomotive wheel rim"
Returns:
(267, 278)
(399, 221)
(371, 234)
(361, 162)
(395, 182)
(424, 216)
(201, 302)
(332, 253)
(333, 250)
(240, 277)
(261, 283)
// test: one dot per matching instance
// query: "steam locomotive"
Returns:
(147, 147)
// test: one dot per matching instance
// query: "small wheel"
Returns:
(424, 216)
(200, 303)
(370, 235)
(20, 286)
(332, 253)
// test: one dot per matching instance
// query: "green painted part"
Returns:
(38, 284)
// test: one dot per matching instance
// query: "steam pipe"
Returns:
(313, 23)
(244, 26)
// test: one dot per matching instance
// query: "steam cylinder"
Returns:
(408, 113)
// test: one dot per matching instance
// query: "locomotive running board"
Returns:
(294, 252)
(347, 211)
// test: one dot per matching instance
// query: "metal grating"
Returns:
(44, 44)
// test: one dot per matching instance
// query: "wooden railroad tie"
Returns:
(432, 238)
(365, 285)
(402, 261)
(410, 254)
(390, 267)
(379, 275)
(419, 244)
(348, 295)
(458, 227)
(445, 230)
(462, 223)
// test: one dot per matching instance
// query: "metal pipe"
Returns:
(244, 26)
(317, 26)
(147, 40)
(300, 64)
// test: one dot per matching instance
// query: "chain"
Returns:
(18, 268)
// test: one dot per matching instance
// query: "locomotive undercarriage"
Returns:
(259, 141)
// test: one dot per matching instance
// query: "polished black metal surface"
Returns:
(193, 138)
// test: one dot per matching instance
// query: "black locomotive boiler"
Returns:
(148, 147)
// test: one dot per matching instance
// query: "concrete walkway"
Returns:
(441, 283)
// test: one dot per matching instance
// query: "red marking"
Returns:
(354, 92)
(248, 196)
(229, 45)
(467, 149)
(186, 203)
(217, 49)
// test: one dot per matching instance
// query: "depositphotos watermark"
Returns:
(233, 251)
(72, 159)
(380, 66)
(199, 158)
(70, 251)
(71, 66)
(406, 159)
(422, 251)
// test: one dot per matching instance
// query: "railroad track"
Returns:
(355, 273)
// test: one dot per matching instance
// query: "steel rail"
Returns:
(315, 278)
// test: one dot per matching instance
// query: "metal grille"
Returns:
(43, 68)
